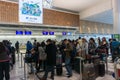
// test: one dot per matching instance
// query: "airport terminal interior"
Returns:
(59, 39)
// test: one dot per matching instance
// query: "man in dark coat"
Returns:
(51, 50)
(17, 47)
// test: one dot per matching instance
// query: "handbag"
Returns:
(43, 56)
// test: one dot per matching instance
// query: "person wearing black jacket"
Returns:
(17, 47)
(4, 63)
(51, 50)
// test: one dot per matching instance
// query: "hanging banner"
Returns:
(30, 11)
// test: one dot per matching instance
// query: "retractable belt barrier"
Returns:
(25, 76)
(36, 76)
(22, 59)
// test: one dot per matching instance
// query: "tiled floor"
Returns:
(18, 74)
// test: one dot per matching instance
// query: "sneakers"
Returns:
(69, 76)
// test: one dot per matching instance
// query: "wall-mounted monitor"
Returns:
(69, 33)
(45, 33)
(28, 33)
(64, 33)
(19, 32)
(51, 33)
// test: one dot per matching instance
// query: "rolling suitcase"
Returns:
(88, 71)
(96, 66)
(77, 64)
(59, 64)
(59, 69)
(101, 68)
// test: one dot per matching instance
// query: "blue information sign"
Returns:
(51, 33)
(28, 32)
(45, 33)
(64, 33)
(19, 32)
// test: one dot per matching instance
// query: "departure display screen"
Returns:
(19, 32)
(28, 33)
(64, 33)
(51, 33)
(45, 33)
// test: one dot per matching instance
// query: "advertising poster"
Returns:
(30, 11)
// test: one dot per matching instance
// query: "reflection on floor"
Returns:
(18, 74)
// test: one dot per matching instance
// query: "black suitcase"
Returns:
(59, 69)
(101, 68)
(77, 66)
(96, 66)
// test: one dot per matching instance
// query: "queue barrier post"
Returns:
(25, 76)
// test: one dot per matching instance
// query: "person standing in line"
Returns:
(84, 48)
(7, 45)
(4, 63)
(35, 43)
(17, 47)
(41, 61)
(68, 52)
(91, 49)
(51, 51)
(29, 49)
(29, 46)
(98, 42)
(105, 44)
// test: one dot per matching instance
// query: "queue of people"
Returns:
(44, 54)
(69, 50)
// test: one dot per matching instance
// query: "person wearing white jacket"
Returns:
(41, 58)
(84, 48)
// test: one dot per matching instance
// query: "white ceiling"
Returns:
(75, 5)
(104, 17)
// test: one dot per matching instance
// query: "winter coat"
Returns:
(51, 51)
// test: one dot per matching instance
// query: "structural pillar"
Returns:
(116, 16)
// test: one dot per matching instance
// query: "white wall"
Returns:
(95, 27)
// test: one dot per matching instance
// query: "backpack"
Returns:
(115, 47)
(74, 51)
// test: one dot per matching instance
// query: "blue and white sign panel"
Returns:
(30, 11)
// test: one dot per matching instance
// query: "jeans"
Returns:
(31, 68)
(68, 66)
(40, 64)
(4, 70)
(49, 69)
